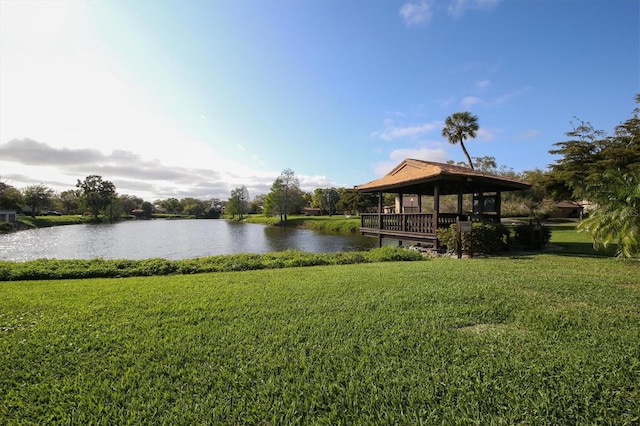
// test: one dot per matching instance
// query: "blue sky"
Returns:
(195, 98)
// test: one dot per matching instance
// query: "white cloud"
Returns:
(438, 155)
(470, 101)
(26, 162)
(427, 154)
(416, 13)
(485, 134)
(394, 132)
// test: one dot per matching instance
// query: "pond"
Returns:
(169, 239)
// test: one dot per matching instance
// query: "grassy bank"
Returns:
(340, 223)
(100, 268)
(46, 221)
(539, 339)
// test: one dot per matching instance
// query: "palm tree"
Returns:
(616, 219)
(458, 127)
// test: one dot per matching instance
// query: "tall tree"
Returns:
(589, 154)
(96, 193)
(329, 199)
(238, 202)
(459, 127)
(36, 196)
(285, 195)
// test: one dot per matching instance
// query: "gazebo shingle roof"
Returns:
(413, 176)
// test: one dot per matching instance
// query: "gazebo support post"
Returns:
(436, 212)
(401, 208)
(379, 219)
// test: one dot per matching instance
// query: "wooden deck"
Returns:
(406, 226)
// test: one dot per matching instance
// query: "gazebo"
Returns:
(426, 178)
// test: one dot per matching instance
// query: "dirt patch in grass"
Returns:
(489, 329)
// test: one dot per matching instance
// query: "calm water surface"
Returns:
(169, 239)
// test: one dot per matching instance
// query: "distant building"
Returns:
(566, 209)
(311, 211)
(8, 216)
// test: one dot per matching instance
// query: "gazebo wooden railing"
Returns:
(410, 226)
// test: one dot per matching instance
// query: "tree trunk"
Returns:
(467, 154)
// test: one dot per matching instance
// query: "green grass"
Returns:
(517, 339)
(564, 235)
(538, 339)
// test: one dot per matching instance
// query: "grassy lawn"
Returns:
(528, 339)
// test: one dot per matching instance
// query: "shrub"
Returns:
(485, 238)
(532, 236)
(6, 227)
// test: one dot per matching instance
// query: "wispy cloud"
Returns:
(416, 13)
(470, 101)
(458, 7)
(528, 134)
(487, 134)
(482, 84)
(394, 132)
(420, 12)
(510, 95)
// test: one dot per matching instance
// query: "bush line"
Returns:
(43, 269)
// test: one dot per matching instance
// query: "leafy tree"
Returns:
(170, 205)
(70, 200)
(129, 203)
(285, 196)
(97, 193)
(10, 197)
(214, 209)
(616, 219)
(147, 208)
(590, 154)
(257, 204)
(529, 202)
(354, 202)
(36, 196)
(238, 203)
(326, 199)
(193, 206)
(458, 127)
